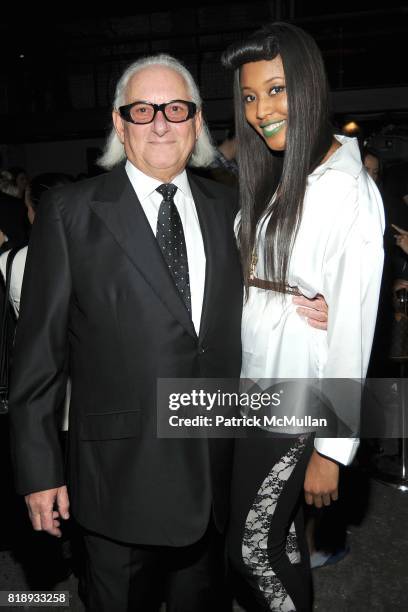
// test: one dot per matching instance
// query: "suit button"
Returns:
(202, 350)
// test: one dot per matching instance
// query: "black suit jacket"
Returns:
(98, 295)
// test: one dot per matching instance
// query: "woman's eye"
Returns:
(249, 98)
(277, 90)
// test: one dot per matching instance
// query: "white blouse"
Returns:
(338, 252)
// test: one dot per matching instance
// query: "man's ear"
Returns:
(198, 121)
(118, 124)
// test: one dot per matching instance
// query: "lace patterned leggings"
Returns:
(267, 549)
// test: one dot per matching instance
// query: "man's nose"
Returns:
(160, 125)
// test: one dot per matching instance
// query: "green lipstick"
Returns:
(270, 129)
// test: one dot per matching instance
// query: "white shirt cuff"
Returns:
(342, 450)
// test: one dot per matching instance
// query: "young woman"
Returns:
(311, 223)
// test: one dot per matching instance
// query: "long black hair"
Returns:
(264, 173)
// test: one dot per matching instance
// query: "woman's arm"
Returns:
(352, 279)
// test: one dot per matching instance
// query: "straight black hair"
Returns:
(264, 174)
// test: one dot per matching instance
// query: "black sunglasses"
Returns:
(175, 111)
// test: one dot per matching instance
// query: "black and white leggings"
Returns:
(267, 548)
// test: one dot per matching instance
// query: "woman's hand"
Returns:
(321, 481)
(401, 239)
(315, 311)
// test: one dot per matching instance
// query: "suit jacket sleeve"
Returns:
(38, 379)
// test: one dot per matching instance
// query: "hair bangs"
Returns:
(257, 47)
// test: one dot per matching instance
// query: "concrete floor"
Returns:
(372, 578)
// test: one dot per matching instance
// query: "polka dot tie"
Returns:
(170, 236)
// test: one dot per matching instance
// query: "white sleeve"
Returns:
(352, 280)
(3, 263)
(17, 274)
(342, 450)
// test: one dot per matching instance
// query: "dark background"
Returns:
(58, 72)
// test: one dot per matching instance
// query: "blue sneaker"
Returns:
(322, 559)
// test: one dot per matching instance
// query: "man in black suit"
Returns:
(131, 276)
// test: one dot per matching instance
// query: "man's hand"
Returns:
(321, 481)
(401, 238)
(315, 311)
(41, 510)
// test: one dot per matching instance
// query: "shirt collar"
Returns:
(347, 158)
(145, 185)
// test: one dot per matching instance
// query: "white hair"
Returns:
(7, 184)
(114, 152)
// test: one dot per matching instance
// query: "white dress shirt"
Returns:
(338, 253)
(150, 200)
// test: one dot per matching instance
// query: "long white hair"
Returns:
(114, 152)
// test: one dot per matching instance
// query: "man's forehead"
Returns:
(157, 84)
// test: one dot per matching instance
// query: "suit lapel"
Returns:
(118, 207)
(206, 205)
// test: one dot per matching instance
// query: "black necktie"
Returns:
(170, 236)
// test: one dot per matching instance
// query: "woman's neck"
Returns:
(333, 148)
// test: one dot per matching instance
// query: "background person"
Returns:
(13, 218)
(372, 163)
(32, 195)
(29, 547)
(20, 180)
